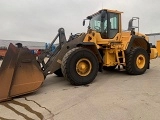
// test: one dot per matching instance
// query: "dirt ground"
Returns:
(112, 96)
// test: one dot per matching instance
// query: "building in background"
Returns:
(153, 38)
(34, 46)
(29, 44)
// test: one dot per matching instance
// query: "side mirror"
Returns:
(84, 22)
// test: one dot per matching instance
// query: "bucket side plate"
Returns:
(7, 70)
(19, 74)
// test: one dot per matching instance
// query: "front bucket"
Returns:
(20, 73)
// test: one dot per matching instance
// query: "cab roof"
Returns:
(107, 10)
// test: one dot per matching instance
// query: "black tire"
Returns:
(137, 61)
(59, 73)
(71, 69)
(110, 68)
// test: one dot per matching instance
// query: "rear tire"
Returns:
(80, 66)
(137, 61)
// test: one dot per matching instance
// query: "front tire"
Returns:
(137, 61)
(80, 66)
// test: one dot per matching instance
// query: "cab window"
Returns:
(114, 26)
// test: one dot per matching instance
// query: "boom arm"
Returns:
(62, 40)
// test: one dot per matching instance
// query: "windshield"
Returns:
(98, 23)
(95, 23)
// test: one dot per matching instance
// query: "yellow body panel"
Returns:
(114, 46)
(109, 57)
(154, 53)
(158, 47)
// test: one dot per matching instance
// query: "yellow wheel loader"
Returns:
(104, 46)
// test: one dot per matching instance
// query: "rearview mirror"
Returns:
(84, 22)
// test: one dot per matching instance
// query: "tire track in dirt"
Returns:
(27, 108)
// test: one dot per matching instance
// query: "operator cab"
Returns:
(106, 22)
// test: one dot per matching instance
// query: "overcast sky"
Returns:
(39, 20)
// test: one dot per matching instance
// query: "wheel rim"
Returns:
(83, 67)
(140, 61)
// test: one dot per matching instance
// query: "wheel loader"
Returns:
(104, 46)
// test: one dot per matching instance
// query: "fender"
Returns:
(92, 46)
(138, 41)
